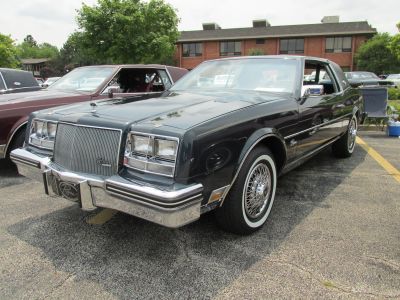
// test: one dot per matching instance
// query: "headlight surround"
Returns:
(42, 134)
(151, 153)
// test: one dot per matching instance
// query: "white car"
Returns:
(395, 78)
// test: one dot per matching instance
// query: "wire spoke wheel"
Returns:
(352, 134)
(257, 190)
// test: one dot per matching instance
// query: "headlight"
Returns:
(151, 153)
(165, 149)
(42, 134)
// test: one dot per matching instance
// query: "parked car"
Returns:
(17, 81)
(395, 78)
(49, 81)
(361, 78)
(217, 140)
(40, 81)
(81, 84)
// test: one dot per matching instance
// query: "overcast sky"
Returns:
(53, 20)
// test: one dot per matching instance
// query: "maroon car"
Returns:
(81, 84)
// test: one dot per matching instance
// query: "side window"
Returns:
(340, 76)
(316, 73)
(165, 79)
(134, 80)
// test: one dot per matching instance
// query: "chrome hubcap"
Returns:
(351, 139)
(258, 189)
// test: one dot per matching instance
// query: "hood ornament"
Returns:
(93, 105)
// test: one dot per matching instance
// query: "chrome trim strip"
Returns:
(167, 195)
(12, 136)
(316, 126)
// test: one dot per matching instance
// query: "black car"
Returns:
(218, 139)
(362, 78)
(17, 81)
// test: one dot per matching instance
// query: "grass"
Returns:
(395, 104)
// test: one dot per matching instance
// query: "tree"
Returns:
(128, 31)
(376, 55)
(8, 52)
(29, 48)
(30, 40)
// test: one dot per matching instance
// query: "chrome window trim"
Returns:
(4, 82)
(96, 127)
(146, 161)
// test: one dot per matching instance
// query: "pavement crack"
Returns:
(331, 285)
(68, 278)
(391, 264)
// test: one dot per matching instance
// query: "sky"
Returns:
(53, 20)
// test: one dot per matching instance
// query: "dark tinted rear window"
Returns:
(18, 79)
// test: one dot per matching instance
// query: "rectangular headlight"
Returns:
(141, 145)
(42, 134)
(165, 149)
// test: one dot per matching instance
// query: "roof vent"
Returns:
(261, 23)
(211, 26)
(330, 19)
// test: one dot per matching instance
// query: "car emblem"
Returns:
(69, 191)
(102, 162)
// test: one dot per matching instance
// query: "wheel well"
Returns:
(277, 148)
(20, 129)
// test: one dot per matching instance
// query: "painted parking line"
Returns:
(380, 159)
(102, 217)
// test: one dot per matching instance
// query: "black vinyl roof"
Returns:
(323, 29)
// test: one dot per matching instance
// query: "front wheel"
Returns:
(250, 200)
(344, 147)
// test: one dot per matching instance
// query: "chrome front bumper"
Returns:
(168, 207)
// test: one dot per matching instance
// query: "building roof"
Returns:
(278, 31)
(32, 61)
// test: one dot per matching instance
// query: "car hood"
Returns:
(178, 109)
(35, 95)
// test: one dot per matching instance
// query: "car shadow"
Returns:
(132, 258)
(9, 174)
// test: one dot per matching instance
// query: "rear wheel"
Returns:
(250, 200)
(344, 147)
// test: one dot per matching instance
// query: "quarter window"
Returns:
(230, 48)
(291, 46)
(192, 49)
(338, 44)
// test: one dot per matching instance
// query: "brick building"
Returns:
(331, 39)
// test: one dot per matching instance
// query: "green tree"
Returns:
(128, 31)
(8, 52)
(256, 52)
(29, 48)
(376, 55)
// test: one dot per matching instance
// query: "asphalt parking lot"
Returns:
(334, 232)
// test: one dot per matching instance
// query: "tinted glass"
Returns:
(86, 79)
(18, 79)
(265, 75)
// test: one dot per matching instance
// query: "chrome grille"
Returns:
(87, 149)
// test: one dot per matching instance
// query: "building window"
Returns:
(260, 41)
(230, 48)
(338, 44)
(192, 49)
(291, 46)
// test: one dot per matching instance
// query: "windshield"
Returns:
(86, 79)
(393, 76)
(257, 74)
(361, 75)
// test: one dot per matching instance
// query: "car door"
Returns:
(320, 109)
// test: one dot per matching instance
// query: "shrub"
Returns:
(394, 94)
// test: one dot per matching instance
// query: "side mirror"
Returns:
(111, 92)
(312, 90)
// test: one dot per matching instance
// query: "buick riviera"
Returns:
(81, 84)
(217, 140)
